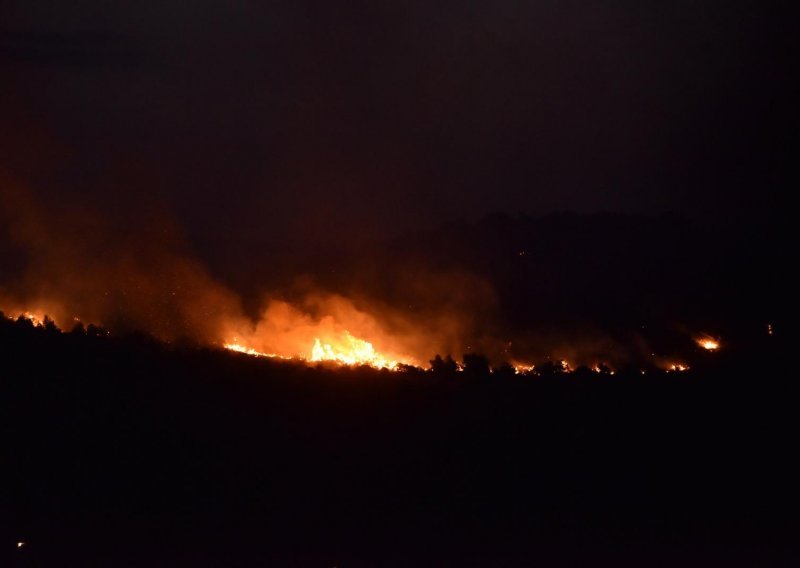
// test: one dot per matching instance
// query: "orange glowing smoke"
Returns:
(321, 329)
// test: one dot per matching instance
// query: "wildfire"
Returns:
(239, 348)
(602, 368)
(36, 318)
(325, 342)
(523, 369)
(349, 350)
(708, 343)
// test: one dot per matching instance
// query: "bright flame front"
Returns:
(350, 350)
(708, 343)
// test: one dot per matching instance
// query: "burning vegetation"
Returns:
(708, 343)
(145, 279)
(349, 351)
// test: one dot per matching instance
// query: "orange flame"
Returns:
(321, 329)
(351, 351)
(707, 343)
(239, 348)
(37, 318)
(348, 351)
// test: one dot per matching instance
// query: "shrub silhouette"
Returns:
(476, 366)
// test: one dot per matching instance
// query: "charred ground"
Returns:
(128, 452)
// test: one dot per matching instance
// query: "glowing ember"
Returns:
(20, 544)
(677, 368)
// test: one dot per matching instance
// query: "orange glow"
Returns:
(708, 343)
(294, 335)
(348, 350)
(286, 332)
(523, 369)
(239, 348)
(319, 329)
(35, 317)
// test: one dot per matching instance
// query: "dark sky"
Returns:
(275, 122)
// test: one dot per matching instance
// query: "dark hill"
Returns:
(127, 452)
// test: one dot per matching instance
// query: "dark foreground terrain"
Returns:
(124, 452)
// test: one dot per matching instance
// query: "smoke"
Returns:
(137, 272)
(74, 263)
(292, 330)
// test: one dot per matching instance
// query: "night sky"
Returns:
(302, 123)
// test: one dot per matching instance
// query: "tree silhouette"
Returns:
(504, 371)
(443, 367)
(476, 365)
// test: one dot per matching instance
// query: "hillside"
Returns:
(128, 452)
